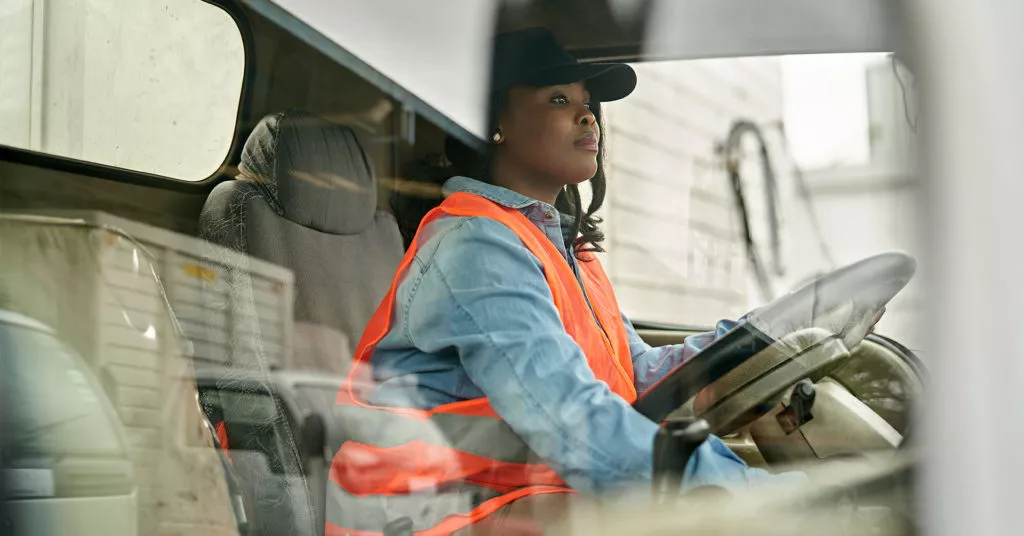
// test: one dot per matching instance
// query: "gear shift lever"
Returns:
(675, 442)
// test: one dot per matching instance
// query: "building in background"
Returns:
(865, 193)
(676, 251)
(838, 134)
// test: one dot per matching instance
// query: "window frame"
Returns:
(104, 171)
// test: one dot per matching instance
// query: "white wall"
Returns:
(867, 199)
(863, 211)
(15, 72)
(675, 247)
(675, 244)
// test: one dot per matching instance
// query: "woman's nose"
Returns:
(587, 117)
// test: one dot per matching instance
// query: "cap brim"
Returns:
(606, 81)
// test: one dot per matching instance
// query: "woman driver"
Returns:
(502, 331)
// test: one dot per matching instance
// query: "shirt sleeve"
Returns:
(650, 364)
(484, 294)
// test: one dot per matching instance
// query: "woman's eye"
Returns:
(560, 99)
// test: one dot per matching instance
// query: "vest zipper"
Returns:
(607, 340)
(574, 265)
(586, 297)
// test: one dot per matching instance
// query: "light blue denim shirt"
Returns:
(475, 317)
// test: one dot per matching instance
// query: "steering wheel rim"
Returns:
(863, 288)
(752, 389)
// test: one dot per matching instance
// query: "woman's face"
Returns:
(551, 133)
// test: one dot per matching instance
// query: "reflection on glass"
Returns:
(56, 406)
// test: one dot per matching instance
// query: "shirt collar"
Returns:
(501, 196)
(504, 197)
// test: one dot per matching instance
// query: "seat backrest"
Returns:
(306, 199)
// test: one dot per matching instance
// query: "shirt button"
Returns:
(549, 214)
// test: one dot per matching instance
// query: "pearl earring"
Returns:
(496, 137)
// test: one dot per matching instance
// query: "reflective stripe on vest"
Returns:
(481, 436)
(453, 465)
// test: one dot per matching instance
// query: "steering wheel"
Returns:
(804, 334)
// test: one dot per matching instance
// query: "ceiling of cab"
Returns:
(434, 57)
(631, 30)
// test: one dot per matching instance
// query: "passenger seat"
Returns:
(306, 199)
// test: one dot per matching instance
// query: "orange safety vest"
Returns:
(222, 438)
(452, 466)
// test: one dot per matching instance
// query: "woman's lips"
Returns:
(587, 143)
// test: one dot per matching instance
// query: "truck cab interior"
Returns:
(264, 229)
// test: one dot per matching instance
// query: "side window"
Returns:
(144, 85)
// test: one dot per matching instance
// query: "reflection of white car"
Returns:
(63, 452)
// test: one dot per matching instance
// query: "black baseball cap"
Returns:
(533, 57)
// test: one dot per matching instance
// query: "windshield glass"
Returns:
(459, 264)
(734, 181)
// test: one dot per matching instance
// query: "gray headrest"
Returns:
(316, 171)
